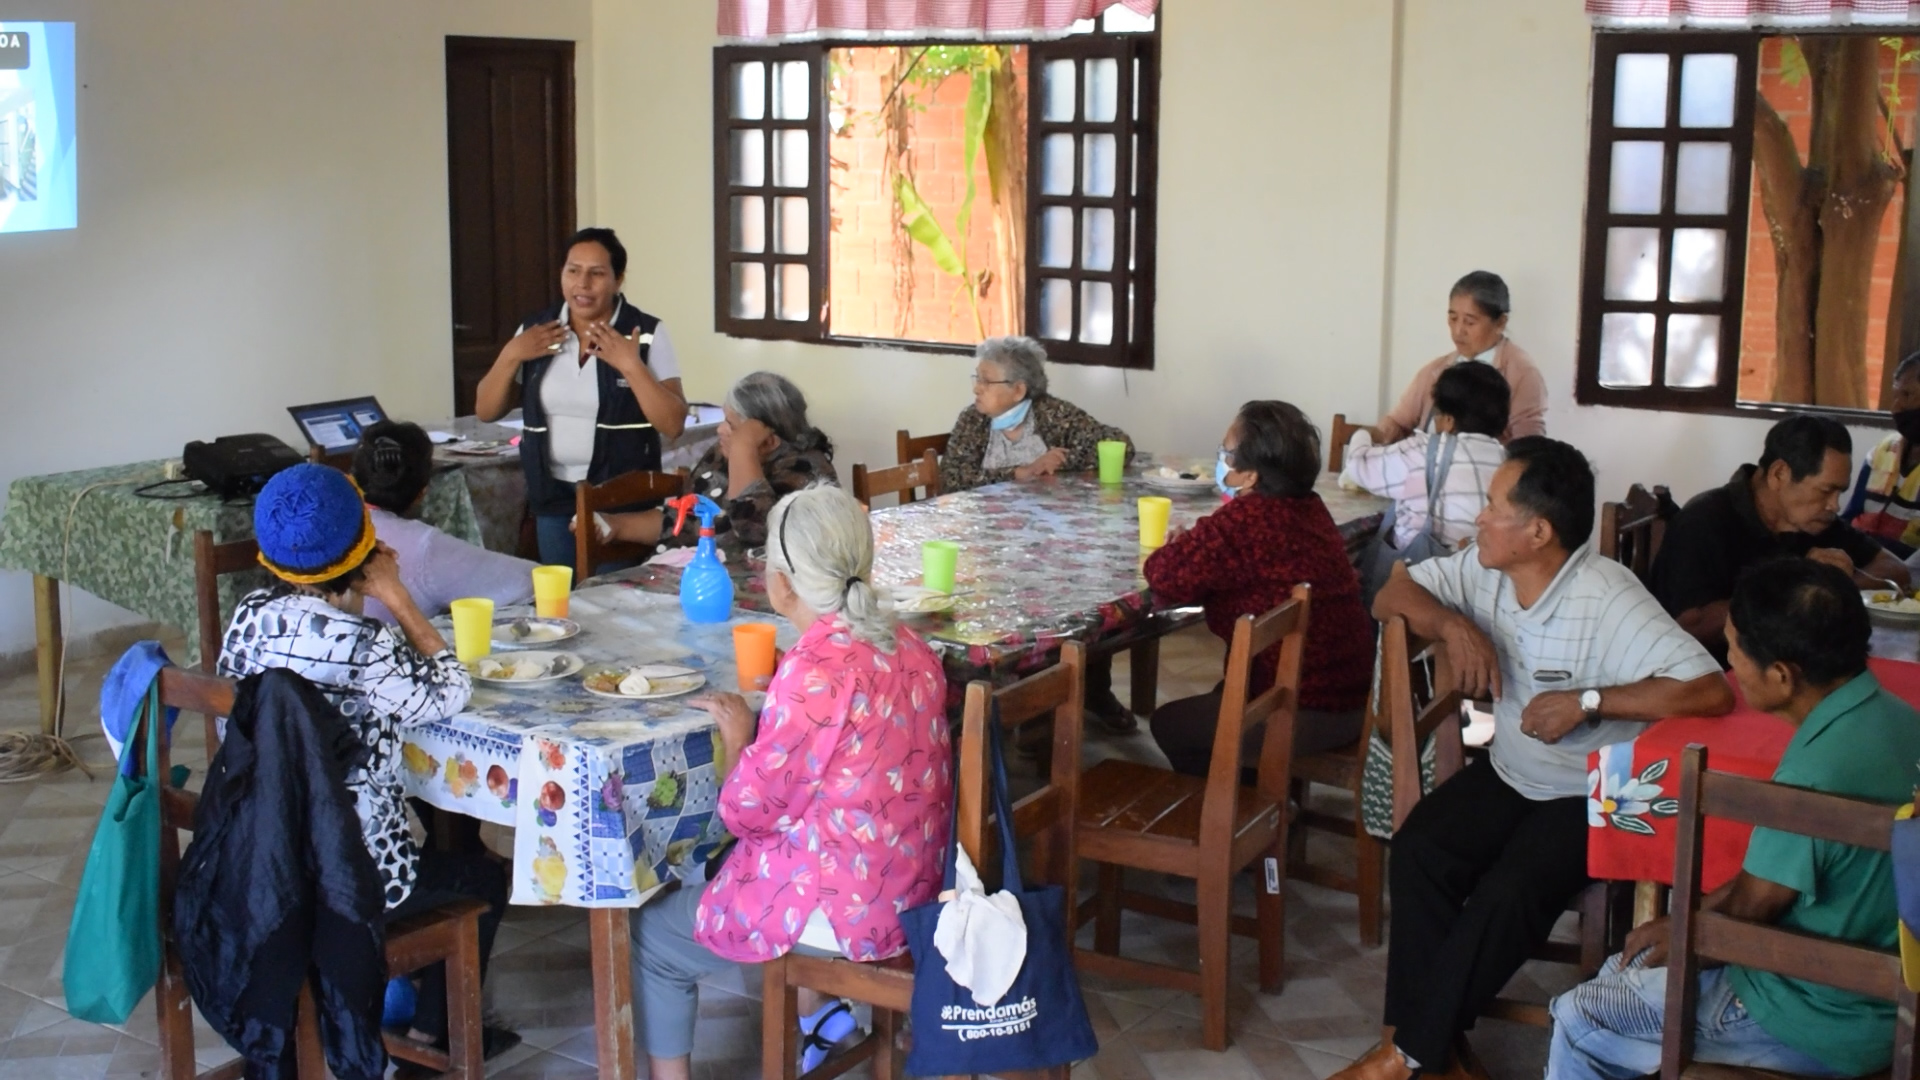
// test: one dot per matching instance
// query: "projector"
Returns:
(235, 466)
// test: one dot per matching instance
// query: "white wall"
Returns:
(263, 222)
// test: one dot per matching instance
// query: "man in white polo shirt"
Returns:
(1576, 654)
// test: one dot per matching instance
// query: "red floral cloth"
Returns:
(1633, 788)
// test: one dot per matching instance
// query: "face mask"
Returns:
(1013, 417)
(1907, 423)
(1220, 471)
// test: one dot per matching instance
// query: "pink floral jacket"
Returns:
(843, 802)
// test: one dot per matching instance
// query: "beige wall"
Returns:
(263, 222)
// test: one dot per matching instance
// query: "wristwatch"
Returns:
(1590, 703)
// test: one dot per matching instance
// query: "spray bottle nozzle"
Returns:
(700, 506)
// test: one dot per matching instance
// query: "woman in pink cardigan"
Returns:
(1477, 320)
(841, 799)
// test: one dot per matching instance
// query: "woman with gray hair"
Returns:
(1015, 430)
(766, 449)
(840, 793)
(1477, 320)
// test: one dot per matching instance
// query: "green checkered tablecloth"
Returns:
(89, 529)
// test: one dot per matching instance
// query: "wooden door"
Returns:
(510, 174)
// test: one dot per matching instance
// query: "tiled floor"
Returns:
(539, 982)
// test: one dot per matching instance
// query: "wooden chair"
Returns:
(909, 448)
(1415, 699)
(342, 460)
(1046, 815)
(1631, 530)
(901, 480)
(210, 561)
(1703, 935)
(1337, 437)
(1140, 816)
(449, 934)
(620, 492)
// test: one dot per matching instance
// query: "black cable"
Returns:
(151, 491)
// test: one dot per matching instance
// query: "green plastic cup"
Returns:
(1113, 460)
(938, 560)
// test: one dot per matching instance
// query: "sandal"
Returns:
(822, 1031)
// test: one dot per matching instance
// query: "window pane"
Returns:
(1056, 237)
(1096, 312)
(1096, 236)
(1103, 90)
(790, 226)
(1633, 264)
(1056, 165)
(749, 291)
(1626, 349)
(1136, 88)
(1056, 309)
(791, 90)
(1058, 86)
(1704, 180)
(1706, 90)
(1133, 169)
(1121, 19)
(1693, 350)
(749, 224)
(749, 91)
(1699, 266)
(790, 297)
(1640, 90)
(1638, 168)
(790, 158)
(748, 158)
(1099, 167)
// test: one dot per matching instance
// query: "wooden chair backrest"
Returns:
(342, 460)
(1337, 437)
(1631, 530)
(623, 490)
(1699, 935)
(210, 560)
(1253, 635)
(1047, 814)
(911, 447)
(901, 480)
(1414, 697)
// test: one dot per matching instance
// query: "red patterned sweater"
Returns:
(1244, 559)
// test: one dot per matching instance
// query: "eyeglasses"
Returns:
(1227, 453)
(978, 381)
(786, 553)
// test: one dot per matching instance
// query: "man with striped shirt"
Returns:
(1575, 654)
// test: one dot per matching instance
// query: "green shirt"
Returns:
(1864, 743)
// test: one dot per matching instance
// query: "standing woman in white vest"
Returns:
(598, 384)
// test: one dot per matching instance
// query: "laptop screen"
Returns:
(334, 426)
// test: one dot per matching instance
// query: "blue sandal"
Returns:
(821, 1031)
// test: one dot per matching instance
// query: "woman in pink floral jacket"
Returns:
(842, 800)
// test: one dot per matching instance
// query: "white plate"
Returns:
(546, 632)
(1886, 615)
(917, 600)
(672, 680)
(1175, 483)
(569, 668)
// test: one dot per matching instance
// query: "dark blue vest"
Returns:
(624, 442)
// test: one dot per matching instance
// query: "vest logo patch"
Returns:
(622, 384)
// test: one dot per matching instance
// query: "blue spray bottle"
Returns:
(706, 589)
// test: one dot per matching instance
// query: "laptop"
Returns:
(335, 426)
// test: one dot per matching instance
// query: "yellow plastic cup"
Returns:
(1154, 511)
(1113, 460)
(551, 584)
(938, 561)
(472, 628)
(753, 655)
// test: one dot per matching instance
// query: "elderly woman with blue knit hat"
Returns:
(316, 535)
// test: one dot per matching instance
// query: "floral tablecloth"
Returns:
(90, 530)
(1041, 563)
(608, 798)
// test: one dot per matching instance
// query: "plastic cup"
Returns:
(938, 561)
(551, 586)
(1113, 460)
(1154, 510)
(753, 654)
(472, 628)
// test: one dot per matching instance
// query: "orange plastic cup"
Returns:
(551, 588)
(753, 654)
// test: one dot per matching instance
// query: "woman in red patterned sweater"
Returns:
(1244, 558)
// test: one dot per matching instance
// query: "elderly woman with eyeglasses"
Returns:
(840, 792)
(767, 449)
(1015, 430)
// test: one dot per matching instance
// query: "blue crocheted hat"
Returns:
(312, 524)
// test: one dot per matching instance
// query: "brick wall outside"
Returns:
(1757, 339)
(865, 215)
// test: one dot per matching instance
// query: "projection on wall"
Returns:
(38, 163)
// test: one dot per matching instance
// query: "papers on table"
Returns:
(440, 438)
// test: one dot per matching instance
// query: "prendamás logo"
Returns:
(968, 1024)
(16, 50)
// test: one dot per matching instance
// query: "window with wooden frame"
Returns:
(1747, 232)
(927, 195)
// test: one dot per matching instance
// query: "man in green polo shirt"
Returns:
(1797, 636)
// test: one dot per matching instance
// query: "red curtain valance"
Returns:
(774, 20)
(1734, 13)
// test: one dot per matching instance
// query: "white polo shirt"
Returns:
(570, 394)
(1594, 627)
